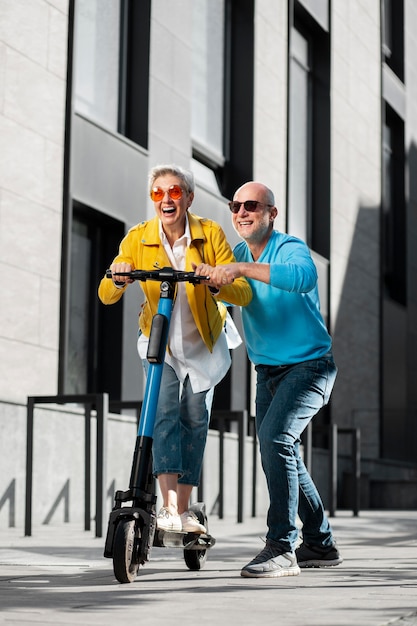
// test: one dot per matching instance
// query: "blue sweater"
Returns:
(283, 324)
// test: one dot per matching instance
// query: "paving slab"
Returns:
(59, 576)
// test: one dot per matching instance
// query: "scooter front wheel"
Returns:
(125, 566)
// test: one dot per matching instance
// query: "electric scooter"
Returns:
(132, 528)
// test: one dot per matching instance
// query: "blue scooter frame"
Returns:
(132, 529)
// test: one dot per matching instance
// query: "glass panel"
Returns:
(299, 155)
(387, 28)
(394, 208)
(387, 202)
(96, 54)
(207, 87)
(77, 372)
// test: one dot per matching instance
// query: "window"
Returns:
(394, 249)
(222, 96)
(300, 138)
(134, 70)
(88, 368)
(393, 35)
(96, 60)
(111, 64)
(77, 370)
(208, 81)
(308, 154)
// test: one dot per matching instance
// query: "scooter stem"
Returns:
(158, 338)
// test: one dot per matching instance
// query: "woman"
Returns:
(197, 356)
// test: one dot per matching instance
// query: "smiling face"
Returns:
(255, 226)
(172, 211)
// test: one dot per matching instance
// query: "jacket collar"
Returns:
(151, 231)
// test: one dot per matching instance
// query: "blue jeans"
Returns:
(287, 398)
(181, 425)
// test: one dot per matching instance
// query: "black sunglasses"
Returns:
(249, 205)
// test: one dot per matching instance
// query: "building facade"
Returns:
(317, 99)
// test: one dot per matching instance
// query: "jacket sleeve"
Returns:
(239, 292)
(107, 291)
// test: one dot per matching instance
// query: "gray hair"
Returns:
(186, 176)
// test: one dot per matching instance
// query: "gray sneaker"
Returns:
(271, 562)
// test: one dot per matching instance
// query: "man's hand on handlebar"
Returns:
(220, 276)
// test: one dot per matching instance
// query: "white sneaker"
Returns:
(190, 523)
(167, 521)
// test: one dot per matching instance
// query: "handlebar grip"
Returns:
(109, 274)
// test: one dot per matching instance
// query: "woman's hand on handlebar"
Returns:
(121, 267)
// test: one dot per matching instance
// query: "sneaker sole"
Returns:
(294, 571)
(170, 530)
(320, 563)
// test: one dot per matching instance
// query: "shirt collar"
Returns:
(186, 236)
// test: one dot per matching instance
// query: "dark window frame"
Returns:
(238, 100)
(394, 240)
(393, 35)
(133, 118)
(320, 150)
(102, 322)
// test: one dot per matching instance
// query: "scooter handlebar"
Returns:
(165, 273)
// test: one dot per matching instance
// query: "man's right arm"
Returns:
(226, 274)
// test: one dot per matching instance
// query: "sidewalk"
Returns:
(60, 577)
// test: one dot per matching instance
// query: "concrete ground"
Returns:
(59, 576)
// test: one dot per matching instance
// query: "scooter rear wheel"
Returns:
(125, 566)
(195, 559)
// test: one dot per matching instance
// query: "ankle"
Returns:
(172, 509)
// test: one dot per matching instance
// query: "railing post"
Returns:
(29, 467)
(221, 466)
(242, 430)
(333, 470)
(200, 488)
(87, 466)
(357, 470)
(102, 408)
(254, 468)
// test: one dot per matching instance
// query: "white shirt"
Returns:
(188, 354)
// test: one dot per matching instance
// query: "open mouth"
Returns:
(168, 210)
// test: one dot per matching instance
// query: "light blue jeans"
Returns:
(287, 398)
(181, 425)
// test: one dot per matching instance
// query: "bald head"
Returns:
(257, 191)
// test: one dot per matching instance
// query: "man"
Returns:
(288, 343)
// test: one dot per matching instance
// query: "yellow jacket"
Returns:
(142, 248)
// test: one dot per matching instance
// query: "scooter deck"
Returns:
(181, 539)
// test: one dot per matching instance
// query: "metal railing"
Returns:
(241, 418)
(333, 431)
(102, 405)
(98, 401)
